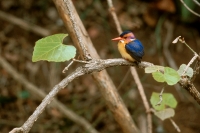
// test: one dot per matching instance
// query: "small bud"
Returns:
(176, 40)
(182, 40)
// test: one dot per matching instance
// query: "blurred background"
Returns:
(156, 23)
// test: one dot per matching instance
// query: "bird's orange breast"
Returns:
(123, 52)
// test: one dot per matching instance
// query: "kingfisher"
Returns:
(129, 47)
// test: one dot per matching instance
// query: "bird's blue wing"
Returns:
(135, 49)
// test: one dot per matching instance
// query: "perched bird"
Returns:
(129, 47)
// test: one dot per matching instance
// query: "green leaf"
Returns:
(154, 100)
(51, 48)
(189, 71)
(165, 114)
(154, 68)
(158, 76)
(171, 76)
(168, 100)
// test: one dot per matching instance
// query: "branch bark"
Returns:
(40, 95)
(106, 86)
(133, 72)
(91, 67)
(95, 66)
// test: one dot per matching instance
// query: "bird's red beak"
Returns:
(117, 39)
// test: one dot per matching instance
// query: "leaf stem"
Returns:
(160, 96)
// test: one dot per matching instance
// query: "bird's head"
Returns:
(125, 37)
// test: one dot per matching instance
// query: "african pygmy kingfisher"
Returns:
(129, 47)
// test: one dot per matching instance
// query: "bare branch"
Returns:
(115, 18)
(133, 71)
(191, 61)
(189, 9)
(106, 86)
(170, 31)
(144, 99)
(195, 1)
(175, 125)
(96, 66)
(40, 95)
(189, 86)
(93, 66)
(24, 25)
(70, 11)
(160, 96)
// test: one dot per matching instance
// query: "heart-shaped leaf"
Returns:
(51, 48)
(171, 76)
(168, 100)
(158, 76)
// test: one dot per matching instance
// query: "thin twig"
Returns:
(182, 40)
(67, 67)
(144, 99)
(93, 66)
(115, 18)
(167, 41)
(170, 30)
(72, 61)
(189, 9)
(160, 96)
(191, 61)
(80, 61)
(105, 83)
(24, 25)
(40, 94)
(133, 71)
(175, 125)
(123, 80)
(197, 2)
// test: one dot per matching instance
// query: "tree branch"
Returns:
(96, 66)
(193, 12)
(24, 25)
(40, 95)
(106, 86)
(91, 67)
(133, 71)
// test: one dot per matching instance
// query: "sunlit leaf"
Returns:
(158, 76)
(171, 76)
(168, 100)
(51, 48)
(154, 101)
